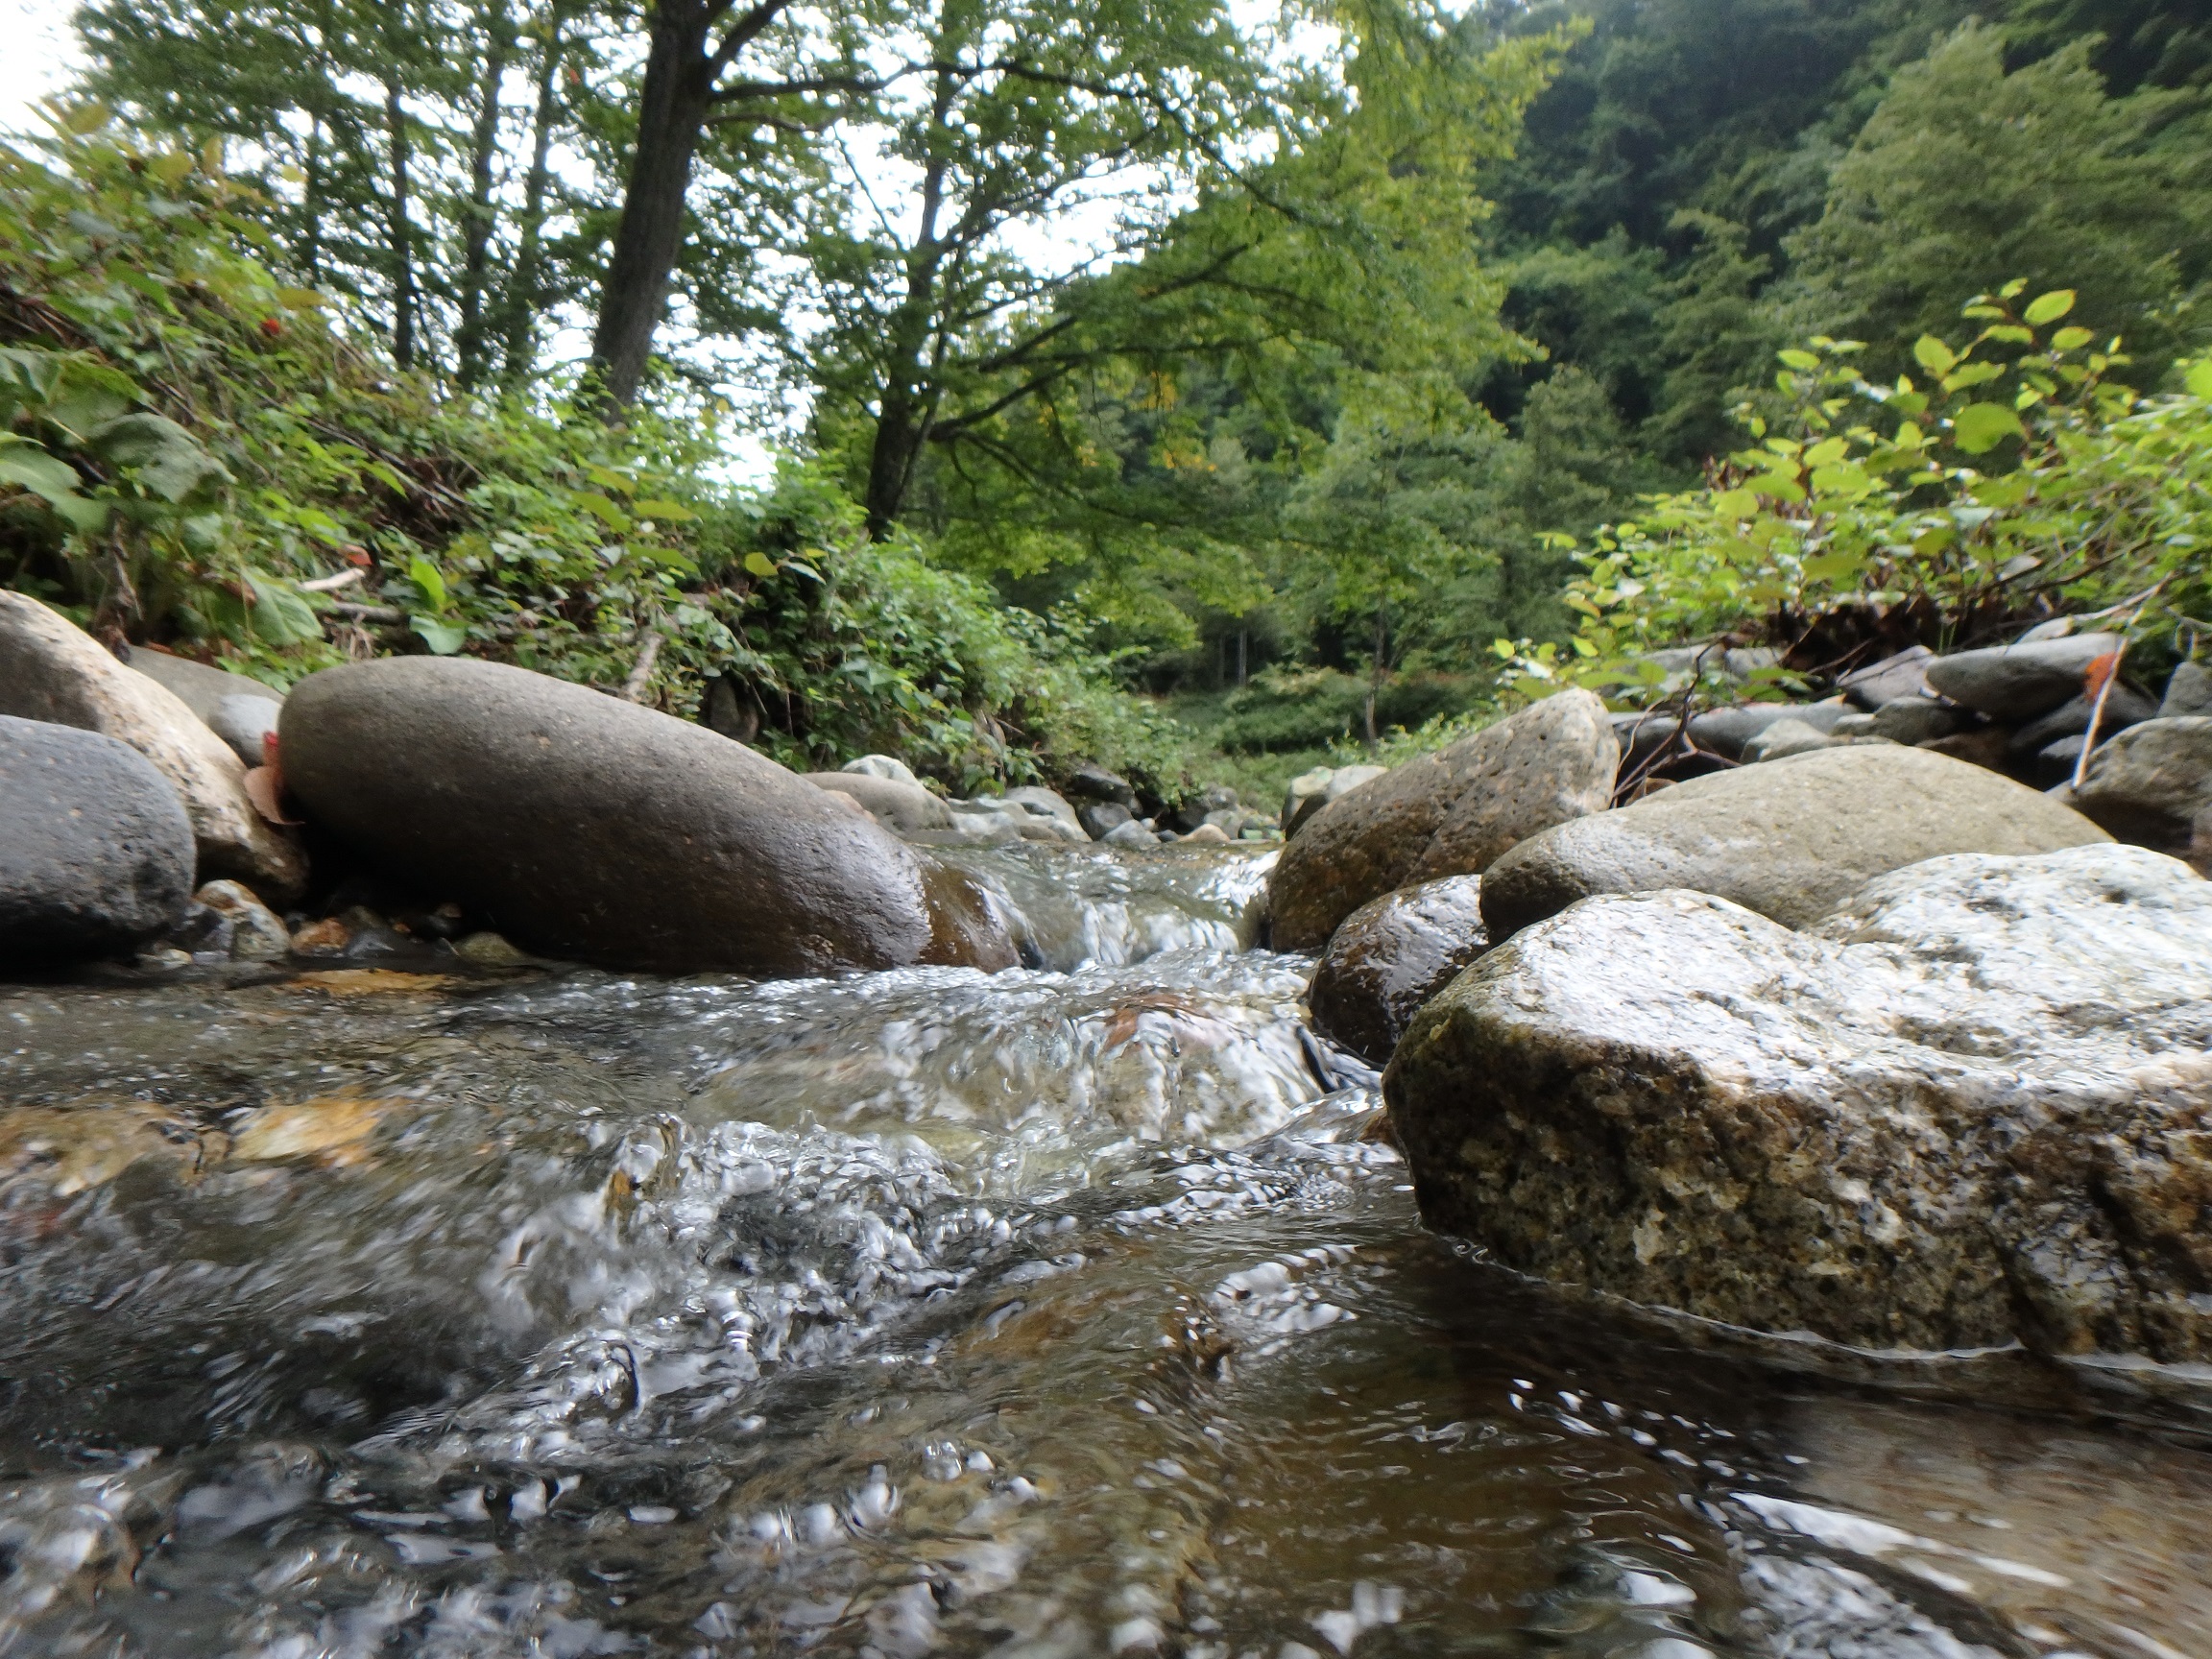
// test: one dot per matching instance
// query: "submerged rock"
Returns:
(1391, 955)
(1790, 839)
(95, 849)
(52, 671)
(2153, 784)
(593, 829)
(2021, 681)
(1969, 1108)
(1450, 813)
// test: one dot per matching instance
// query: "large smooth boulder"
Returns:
(1450, 813)
(1903, 675)
(52, 671)
(2188, 691)
(95, 849)
(2153, 784)
(589, 828)
(1790, 839)
(1054, 819)
(2021, 681)
(1968, 1108)
(1391, 955)
(905, 809)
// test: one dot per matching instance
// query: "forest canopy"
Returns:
(1284, 366)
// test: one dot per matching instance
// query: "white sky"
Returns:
(40, 51)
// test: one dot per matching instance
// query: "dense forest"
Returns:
(1143, 382)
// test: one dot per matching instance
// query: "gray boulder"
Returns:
(1725, 731)
(1130, 832)
(1042, 802)
(95, 848)
(1903, 675)
(2021, 681)
(1096, 783)
(1783, 739)
(2123, 708)
(1391, 956)
(1966, 1108)
(195, 684)
(1918, 720)
(1101, 818)
(52, 671)
(244, 723)
(1450, 813)
(904, 808)
(886, 766)
(592, 829)
(2153, 784)
(1790, 839)
(2188, 691)
(1310, 791)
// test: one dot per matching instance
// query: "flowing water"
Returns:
(395, 1309)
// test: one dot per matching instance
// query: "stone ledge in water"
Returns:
(592, 830)
(1969, 1110)
(1391, 955)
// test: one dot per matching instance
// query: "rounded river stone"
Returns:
(594, 830)
(1391, 956)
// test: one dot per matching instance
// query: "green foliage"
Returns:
(196, 457)
(2016, 473)
(1294, 708)
(1968, 175)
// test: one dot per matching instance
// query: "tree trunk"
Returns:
(522, 298)
(404, 296)
(470, 345)
(672, 111)
(1375, 677)
(311, 205)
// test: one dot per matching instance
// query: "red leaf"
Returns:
(2100, 669)
(265, 788)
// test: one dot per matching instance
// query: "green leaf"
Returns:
(281, 615)
(427, 582)
(2049, 307)
(2200, 378)
(1827, 453)
(658, 507)
(1736, 503)
(84, 119)
(443, 638)
(1799, 359)
(2071, 339)
(605, 510)
(168, 459)
(1981, 426)
(1933, 355)
(760, 564)
(46, 476)
(1834, 568)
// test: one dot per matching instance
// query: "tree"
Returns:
(1968, 175)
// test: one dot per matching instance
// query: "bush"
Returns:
(1288, 709)
(194, 454)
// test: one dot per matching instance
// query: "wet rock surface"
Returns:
(1790, 839)
(2153, 784)
(1965, 1110)
(96, 853)
(594, 830)
(905, 809)
(51, 670)
(1450, 813)
(1391, 955)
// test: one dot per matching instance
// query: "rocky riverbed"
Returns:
(581, 1189)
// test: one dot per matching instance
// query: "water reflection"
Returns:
(1057, 1313)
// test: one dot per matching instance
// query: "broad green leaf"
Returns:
(443, 638)
(658, 507)
(605, 510)
(168, 459)
(46, 476)
(1980, 428)
(427, 582)
(2200, 379)
(280, 614)
(760, 564)
(177, 165)
(2049, 307)
(84, 119)
(1799, 359)
(1835, 567)
(1933, 355)
(2071, 339)
(1736, 503)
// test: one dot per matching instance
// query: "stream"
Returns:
(399, 1307)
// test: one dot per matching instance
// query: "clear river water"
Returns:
(396, 1307)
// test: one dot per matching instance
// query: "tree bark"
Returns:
(522, 299)
(472, 356)
(673, 106)
(400, 231)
